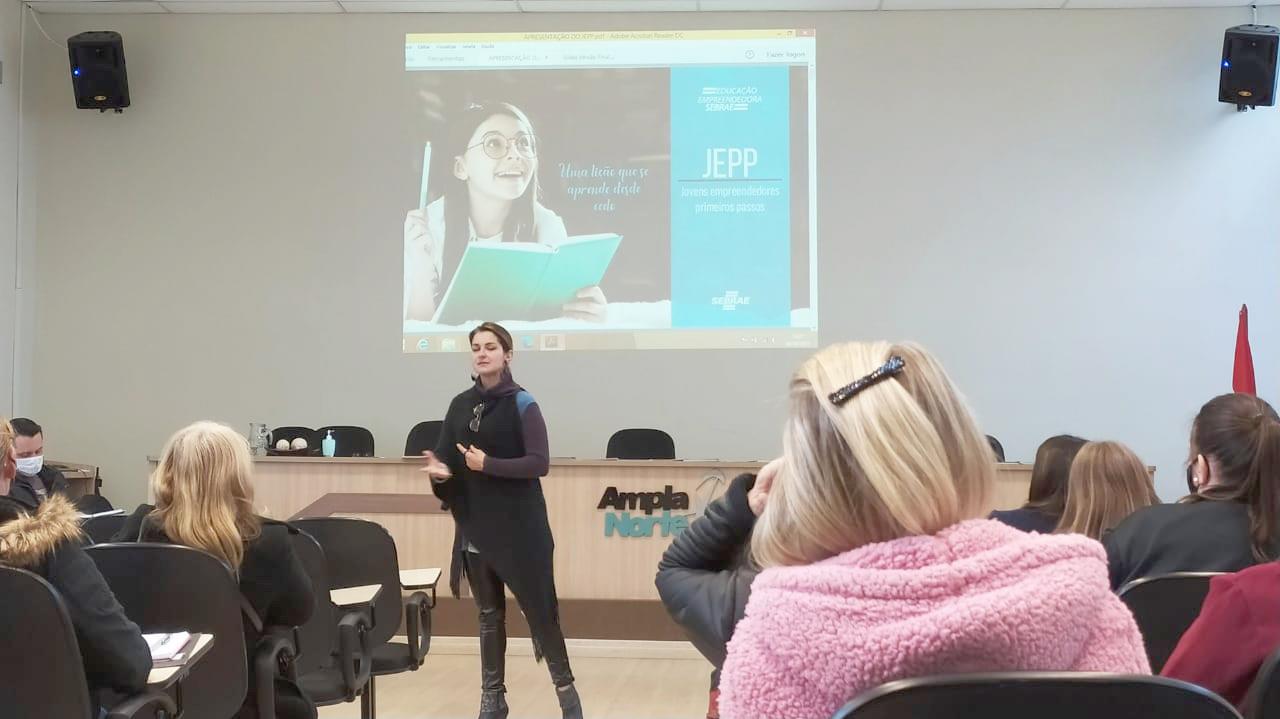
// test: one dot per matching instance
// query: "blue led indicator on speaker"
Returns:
(1226, 63)
(76, 72)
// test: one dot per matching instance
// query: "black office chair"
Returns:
(92, 504)
(641, 444)
(102, 529)
(43, 675)
(1164, 607)
(996, 448)
(358, 553)
(334, 655)
(422, 437)
(1263, 700)
(166, 588)
(291, 433)
(1043, 695)
(349, 441)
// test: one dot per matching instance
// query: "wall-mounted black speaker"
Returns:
(97, 71)
(1248, 76)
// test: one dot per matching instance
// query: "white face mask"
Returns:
(30, 466)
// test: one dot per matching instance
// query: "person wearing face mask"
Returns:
(35, 482)
(47, 541)
(486, 468)
(492, 196)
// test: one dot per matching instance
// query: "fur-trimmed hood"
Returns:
(28, 536)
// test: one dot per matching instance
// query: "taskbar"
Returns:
(665, 339)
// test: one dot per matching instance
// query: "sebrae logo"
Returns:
(643, 524)
(730, 300)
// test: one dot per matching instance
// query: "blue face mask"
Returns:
(30, 466)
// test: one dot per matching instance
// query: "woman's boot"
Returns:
(570, 704)
(493, 705)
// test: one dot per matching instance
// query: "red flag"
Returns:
(1242, 375)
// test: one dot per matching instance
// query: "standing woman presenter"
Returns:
(486, 468)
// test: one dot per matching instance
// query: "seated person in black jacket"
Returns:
(47, 541)
(35, 482)
(204, 499)
(704, 577)
(1047, 496)
(1231, 520)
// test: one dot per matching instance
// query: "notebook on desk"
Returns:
(170, 649)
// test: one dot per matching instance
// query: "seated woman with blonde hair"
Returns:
(204, 499)
(876, 561)
(1106, 484)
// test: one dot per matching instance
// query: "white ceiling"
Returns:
(528, 6)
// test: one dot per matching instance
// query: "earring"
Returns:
(1195, 481)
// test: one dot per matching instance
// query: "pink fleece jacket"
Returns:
(977, 596)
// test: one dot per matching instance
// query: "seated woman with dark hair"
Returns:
(1232, 520)
(1047, 496)
(47, 541)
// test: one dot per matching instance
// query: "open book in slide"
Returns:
(523, 280)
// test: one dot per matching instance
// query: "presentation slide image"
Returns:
(626, 201)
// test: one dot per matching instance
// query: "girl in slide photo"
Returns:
(492, 197)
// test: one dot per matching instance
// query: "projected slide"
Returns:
(611, 190)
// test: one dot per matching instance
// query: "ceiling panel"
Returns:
(608, 5)
(971, 4)
(429, 5)
(252, 6)
(795, 5)
(1090, 4)
(119, 7)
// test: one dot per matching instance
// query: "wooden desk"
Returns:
(605, 583)
(588, 564)
(81, 477)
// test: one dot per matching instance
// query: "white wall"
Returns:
(1053, 201)
(11, 61)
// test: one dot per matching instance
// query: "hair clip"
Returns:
(890, 368)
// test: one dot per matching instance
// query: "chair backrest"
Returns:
(358, 552)
(1043, 695)
(996, 448)
(349, 441)
(641, 444)
(165, 587)
(1263, 701)
(1164, 607)
(422, 437)
(292, 433)
(43, 676)
(92, 504)
(318, 637)
(102, 529)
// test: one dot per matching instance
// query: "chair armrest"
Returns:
(417, 620)
(134, 706)
(273, 657)
(355, 659)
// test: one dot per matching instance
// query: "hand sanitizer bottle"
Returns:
(328, 445)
